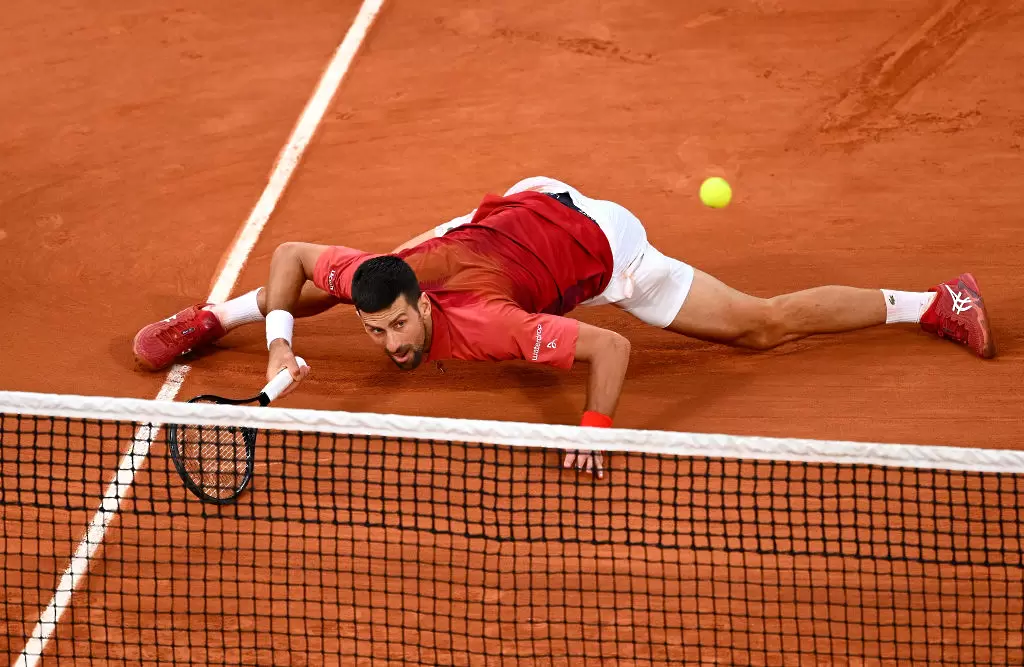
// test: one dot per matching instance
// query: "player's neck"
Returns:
(428, 324)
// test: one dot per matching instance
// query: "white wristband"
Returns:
(279, 325)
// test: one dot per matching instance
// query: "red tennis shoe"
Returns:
(157, 345)
(958, 313)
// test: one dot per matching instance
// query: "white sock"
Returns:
(238, 311)
(906, 306)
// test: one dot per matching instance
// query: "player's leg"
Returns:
(708, 309)
(715, 312)
(667, 293)
(157, 345)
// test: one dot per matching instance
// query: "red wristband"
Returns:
(591, 418)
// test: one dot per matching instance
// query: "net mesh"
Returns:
(358, 548)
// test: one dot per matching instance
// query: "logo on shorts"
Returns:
(330, 280)
(553, 344)
(536, 344)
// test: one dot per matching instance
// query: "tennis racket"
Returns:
(216, 462)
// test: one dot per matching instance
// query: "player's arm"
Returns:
(293, 264)
(291, 267)
(607, 353)
(560, 342)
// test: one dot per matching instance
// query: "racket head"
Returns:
(215, 462)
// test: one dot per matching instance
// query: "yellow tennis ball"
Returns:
(715, 192)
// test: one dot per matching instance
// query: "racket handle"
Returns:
(280, 382)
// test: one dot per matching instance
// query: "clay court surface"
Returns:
(871, 143)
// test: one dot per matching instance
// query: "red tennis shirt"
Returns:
(500, 284)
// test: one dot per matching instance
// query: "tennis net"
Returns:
(372, 539)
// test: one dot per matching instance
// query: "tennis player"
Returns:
(496, 284)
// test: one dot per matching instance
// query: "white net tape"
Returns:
(514, 433)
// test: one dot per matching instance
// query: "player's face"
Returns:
(401, 330)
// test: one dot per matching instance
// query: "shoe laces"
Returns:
(169, 335)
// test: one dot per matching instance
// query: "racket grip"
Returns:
(280, 382)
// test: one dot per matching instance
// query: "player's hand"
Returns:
(281, 356)
(585, 461)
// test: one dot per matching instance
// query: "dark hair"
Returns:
(379, 281)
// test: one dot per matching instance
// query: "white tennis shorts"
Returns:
(645, 283)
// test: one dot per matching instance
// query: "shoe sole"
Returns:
(988, 350)
(142, 362)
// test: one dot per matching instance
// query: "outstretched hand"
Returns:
(281, 356)
(585, 461)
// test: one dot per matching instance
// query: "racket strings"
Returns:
(215, 462)
(215, 458)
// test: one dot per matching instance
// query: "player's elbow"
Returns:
(298, 254)
(286, 252)
(619, 345)
(595, 344)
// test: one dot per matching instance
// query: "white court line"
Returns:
(136, 455)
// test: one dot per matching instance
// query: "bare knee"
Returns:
(715, 312)
(765, 326)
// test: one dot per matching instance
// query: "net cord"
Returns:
(515, 433)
